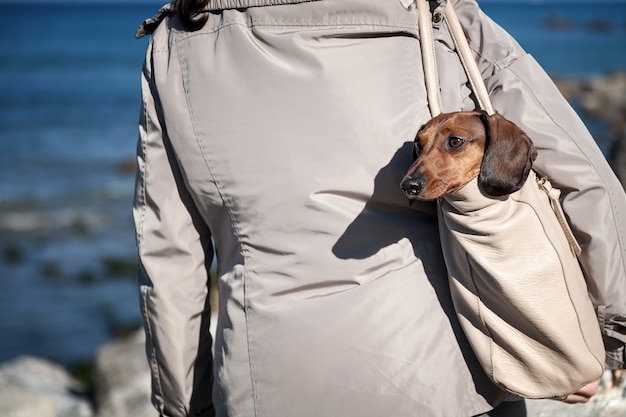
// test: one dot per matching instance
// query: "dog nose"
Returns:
(413, 186)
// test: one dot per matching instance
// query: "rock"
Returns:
(559, 23)
(604, 97)
(562, 23)
(35, 387)
(21, 402)
(618, 155)
(600, 25)
(41, 382)
(122, 379)
(570, 88)
(609, 402)
(128, 166)
(32, 387)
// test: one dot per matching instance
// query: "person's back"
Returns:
(282, 133)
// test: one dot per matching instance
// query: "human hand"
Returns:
(581, 396)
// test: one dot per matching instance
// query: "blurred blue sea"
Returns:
(69, 101)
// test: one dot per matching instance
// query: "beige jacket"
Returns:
(277, 137)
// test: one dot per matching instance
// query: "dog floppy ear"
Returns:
(509, 155)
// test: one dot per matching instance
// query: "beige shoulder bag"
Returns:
(515, 280)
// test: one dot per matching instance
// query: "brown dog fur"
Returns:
(453, 148)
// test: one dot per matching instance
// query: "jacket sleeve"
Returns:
(175, 254)
(593, 198)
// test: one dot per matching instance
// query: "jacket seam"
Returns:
(235, 225)
(153, 361)
(142, 185)
(143, 141)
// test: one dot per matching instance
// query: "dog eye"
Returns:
(455, 142)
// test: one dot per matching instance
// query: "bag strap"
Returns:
(467, 59)
(465, 54)
(429, 60)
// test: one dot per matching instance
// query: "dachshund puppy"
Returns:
(453, 148)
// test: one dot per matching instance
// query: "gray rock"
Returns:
(122, 379)
(604, 97)
(618, 154)
(609, 402)
(21, 402)
(43, 381)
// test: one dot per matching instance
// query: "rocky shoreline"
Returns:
(32, 386)
(119, 385)
(603, 98)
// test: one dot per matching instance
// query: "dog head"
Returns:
(454, 148)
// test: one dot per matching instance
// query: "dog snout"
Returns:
(413, 186)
